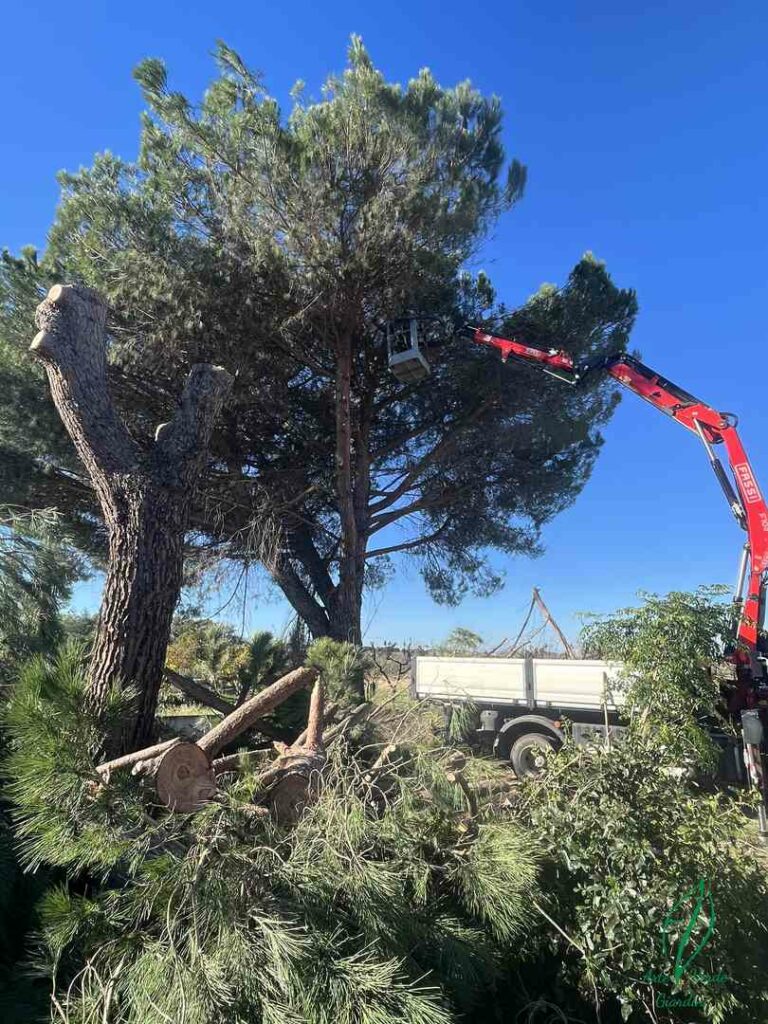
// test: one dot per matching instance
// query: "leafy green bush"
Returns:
(668, 646)
(381, 904)
(625, 839)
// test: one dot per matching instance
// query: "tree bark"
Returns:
(344, 617)
(145, 498)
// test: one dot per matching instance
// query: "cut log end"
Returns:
(73, 294)
(185, 781)
(42, 344)
(291, 784)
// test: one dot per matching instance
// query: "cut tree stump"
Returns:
(291, 783)
(184, 779)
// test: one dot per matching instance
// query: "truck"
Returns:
(526, 705)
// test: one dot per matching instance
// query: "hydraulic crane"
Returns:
(745, 500)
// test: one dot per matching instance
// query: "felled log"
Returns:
(329, 714)
(197, 692)
(261, 704)
(182, 771)
(136, 757)
(291, 782)
(184, 778)
(204, 695)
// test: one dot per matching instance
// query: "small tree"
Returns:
(669, 647)
(210, 652)
(461, 641)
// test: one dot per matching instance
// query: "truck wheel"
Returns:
(528, 754)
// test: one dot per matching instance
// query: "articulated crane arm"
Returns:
(713, 428)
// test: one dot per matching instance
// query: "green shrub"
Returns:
(342, 667)
(625, 839)
(668, 647)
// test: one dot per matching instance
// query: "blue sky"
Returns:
(643, 128)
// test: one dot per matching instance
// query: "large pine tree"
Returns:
(279, 246)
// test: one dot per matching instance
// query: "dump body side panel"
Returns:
(575, 684)
(480, 680)
(518, 682)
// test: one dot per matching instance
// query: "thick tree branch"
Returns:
(182, 444)
(408, 545)
(421, 505)
(289, 582)
(202, 694)
(138, 755)
(304, 549)
(314, 730)
(441, 449)
(71, 345)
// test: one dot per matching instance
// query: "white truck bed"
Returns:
(527, 682)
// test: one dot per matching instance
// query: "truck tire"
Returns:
(527, 753)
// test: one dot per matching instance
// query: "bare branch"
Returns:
(408, 545)
(191, 688)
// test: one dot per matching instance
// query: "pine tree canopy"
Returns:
(279, 245)
(36, 575)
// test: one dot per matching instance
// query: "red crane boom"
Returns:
(712, 427)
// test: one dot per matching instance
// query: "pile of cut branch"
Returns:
(184, 774)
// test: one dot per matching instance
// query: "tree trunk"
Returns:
(352, 485)
(346, 612)
(145, 498)
(141, 590)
